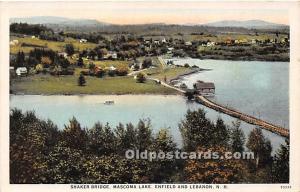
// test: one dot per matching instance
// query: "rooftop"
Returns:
(204, 85)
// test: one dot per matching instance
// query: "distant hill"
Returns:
(249, 24)
(92, 25)
(60, 21)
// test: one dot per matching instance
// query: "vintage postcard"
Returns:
(149, 95)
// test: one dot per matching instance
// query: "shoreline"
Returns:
(188, 73)
(149, 94)
(226, 59)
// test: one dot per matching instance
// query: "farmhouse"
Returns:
(82, 40)
(112, 68)
(205, 88)
(63, 54)
(21, 71)
(188, 43)
(210, 44)
(110, 55)
(14, 42)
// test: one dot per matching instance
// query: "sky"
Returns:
(140, 12)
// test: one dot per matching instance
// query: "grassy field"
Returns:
(108, 63)
(171, 73)
(49, 85)
(55, 46)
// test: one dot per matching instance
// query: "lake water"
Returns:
(256, 88)
(260, 89)
(164, 111)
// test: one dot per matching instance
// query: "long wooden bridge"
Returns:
(234, 113)
(244, 117)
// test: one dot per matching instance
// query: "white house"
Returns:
(14, 42)
(188, 43)
(210, 44)
(156, 42)
(170, 50)
(164, 40)
(112, 68)
(82, 40)
(114, 55)
(110, 54)
(63, 54)
(21, 71)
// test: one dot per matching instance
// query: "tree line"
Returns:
(42, 153)
(36, 30)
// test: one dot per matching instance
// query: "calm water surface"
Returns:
(257, 88)
(164, 111)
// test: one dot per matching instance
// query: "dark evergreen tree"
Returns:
(237, 137)
(144, 135)
(221, 133)
(281, 165)
(74, 136)
(196, 130)
(69, 49)
(81, 80)
(80, 62)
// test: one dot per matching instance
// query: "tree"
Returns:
(31, 140)
(196, 130)
(261, 147)
(80, 62)
(92, 66)
(140, 78)
(186, 65)
(101, 139)
(147, 63)
(144, 135)
(69, 48)
(92, 54)
(237, 137)
(281, 165)
(163, 169)
(115, 169)
(81, 80)
(64, 165)
(221, 133)
(74, 136)
(213, 170)
(129, 140)
(20, 59)
(189, 94)
(122, 70)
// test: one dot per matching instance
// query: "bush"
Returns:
(140, 78)
(147, 63)
(111, 73)
(186, 65)
(100, 73)
(122, 71)
(69, 48)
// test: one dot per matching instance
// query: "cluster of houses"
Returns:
(162, 40)
(14, 42)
